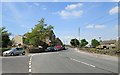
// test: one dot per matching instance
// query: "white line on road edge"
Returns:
(83, 62)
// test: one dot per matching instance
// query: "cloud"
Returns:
(90, 26)
(36, 4)
(95, 26)
(70, 14)
(114, 10)
(44, 8)
(99, 26)
(115, 0)
(55, 0)
(71, 11)
(73, 6)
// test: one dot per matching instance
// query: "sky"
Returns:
(95, 19)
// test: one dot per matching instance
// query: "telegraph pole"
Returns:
(79, 35)
(100, 42)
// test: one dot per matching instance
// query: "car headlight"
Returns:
(6, 52)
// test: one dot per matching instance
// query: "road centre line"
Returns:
(83, 62)
(90, 65)
(30, 65)
(30, 70)
(80, 62)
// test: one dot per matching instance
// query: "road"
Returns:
(66, 61)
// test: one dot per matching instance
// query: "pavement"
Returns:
(66, 61)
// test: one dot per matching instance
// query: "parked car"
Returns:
(58, 48)
(14, 51)
(49, 49)
(63, 47)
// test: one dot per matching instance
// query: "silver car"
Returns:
(14, 51)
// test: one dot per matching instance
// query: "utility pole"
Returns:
(79, 35)
(100, 42)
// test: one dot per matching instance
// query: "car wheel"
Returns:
(23, 53)
(12, 54)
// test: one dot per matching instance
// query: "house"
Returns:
(50, 40)
(118, 44)
(108, 44)
(58, 41)
(17, 40)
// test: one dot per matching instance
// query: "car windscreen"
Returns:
(13, 49)
(21, 49)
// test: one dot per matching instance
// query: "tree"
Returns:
(95, 42)
(4, 36)
(39, 33)
(74, 42)
(83, 43)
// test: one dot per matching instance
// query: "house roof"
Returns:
(108, 42)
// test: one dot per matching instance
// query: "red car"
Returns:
(58, 47)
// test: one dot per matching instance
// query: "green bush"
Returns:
(4, 49)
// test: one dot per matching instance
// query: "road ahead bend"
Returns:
(66, 61)
(70, 61)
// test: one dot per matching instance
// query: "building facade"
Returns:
(108, 44)
(17, 40)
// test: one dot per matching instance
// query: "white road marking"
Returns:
(80, 61)
(30, 59)
(92, 66)
(12, 56)
(30, 70)
(83, 62)
(43, 53)
(60, 54)
(75, 60)
(30, 64)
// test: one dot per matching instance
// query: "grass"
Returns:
(112, 52)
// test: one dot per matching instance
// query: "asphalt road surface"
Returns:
(66, 61)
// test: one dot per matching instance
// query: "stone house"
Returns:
(17, 40)
(108, 44)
